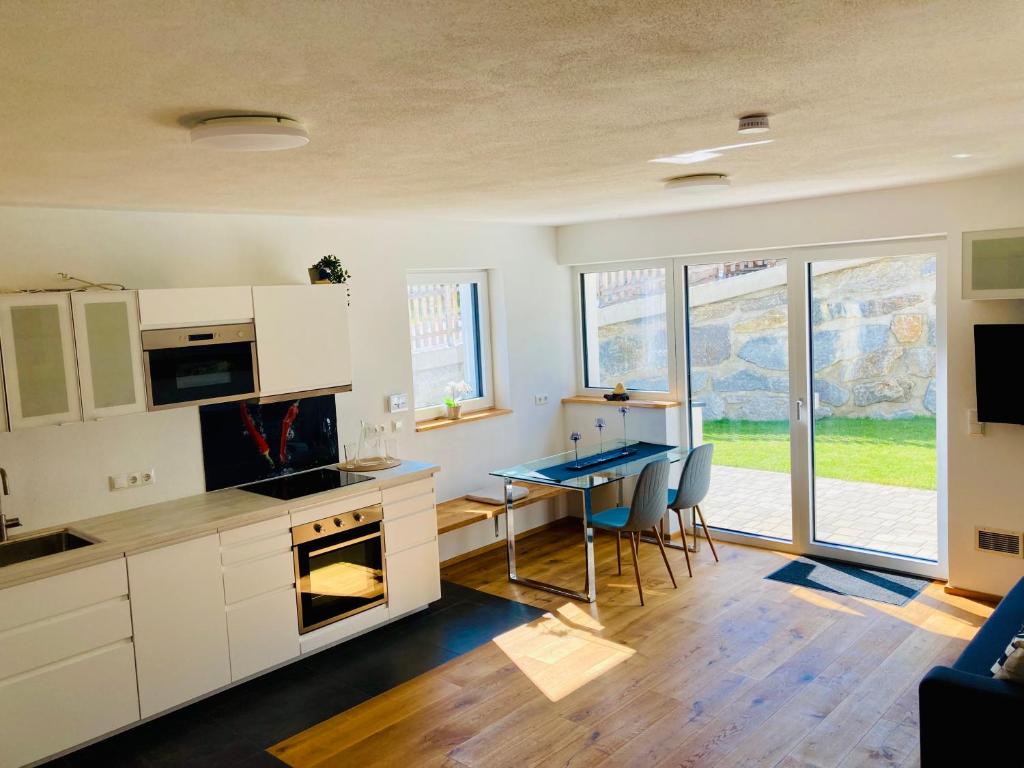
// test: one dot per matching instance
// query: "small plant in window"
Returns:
(457, 391)
(329, 270)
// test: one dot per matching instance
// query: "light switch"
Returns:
(398, 402)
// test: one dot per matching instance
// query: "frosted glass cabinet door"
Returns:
(39, 359)
(108, 345)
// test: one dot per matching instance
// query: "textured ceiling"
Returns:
(517, 111)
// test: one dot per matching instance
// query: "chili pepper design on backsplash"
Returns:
(255, 434)
(286, 428)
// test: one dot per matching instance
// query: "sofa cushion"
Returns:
(992, 638)
(1012, 667)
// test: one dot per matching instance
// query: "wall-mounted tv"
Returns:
(996, 352)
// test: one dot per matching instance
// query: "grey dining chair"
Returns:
(643, 513)
(694, 482)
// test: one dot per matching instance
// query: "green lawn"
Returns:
(897, 452)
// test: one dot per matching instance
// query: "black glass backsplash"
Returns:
(243, 442)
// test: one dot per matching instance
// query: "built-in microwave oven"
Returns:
(200, 365)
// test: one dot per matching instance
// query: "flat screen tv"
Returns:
(996, 352)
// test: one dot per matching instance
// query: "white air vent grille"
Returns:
(1000, 542)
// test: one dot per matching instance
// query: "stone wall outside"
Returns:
(873, 342)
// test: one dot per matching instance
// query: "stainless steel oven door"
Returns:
(198, 366)
(339, 567)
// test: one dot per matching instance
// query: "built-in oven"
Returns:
(198, 366)
(339, 566)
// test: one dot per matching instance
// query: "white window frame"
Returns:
(671, 304)
(484, 341)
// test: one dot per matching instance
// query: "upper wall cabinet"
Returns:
(993, 264)
(181, 307)
(109, 352)
(38, 347)
(302, 338)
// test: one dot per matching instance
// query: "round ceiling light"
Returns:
(754, 124)
(699, 181)
(249, 133)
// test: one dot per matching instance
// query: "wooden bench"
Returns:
(460, 512)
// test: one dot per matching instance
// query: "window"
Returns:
(449, 329)
(625, 329)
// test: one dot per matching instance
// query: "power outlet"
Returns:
(132, 479)
(540, 399)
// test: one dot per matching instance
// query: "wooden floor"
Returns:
(727, 670)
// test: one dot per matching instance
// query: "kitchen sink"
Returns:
(32, 547)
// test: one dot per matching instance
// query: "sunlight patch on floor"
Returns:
(557, 655)
(821, 600)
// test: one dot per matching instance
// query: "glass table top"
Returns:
(592, 472)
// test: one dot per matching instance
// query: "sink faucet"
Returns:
(5, 522)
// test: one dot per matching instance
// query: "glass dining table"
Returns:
(580, 470)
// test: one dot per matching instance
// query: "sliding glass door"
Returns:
(817, 373)
(737, 316)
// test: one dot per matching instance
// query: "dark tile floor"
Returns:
(235, 727)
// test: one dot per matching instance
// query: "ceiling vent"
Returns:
(754, 124)
(1000, 542)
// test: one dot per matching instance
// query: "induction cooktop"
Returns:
(300, 484)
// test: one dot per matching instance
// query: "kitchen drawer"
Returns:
(262, 632)
(406, 490)
(250, 550)
(180, 307)
(63, 705)
(70, 634)
(414, 579)
(303, 515)
(346, 628)
(409, 531)
(409, 506)
(257, 577)
(59, 594)
(235, 536)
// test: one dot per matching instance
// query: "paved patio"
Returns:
(887, 518)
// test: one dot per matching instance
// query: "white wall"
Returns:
(60, 473)
(985, 481)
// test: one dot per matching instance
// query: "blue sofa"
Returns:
(967, 716)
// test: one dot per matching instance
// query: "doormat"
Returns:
(846, 579)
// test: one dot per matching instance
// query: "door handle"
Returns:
(800, 404)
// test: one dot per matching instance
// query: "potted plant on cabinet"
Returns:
(457, 390)
(328, 270)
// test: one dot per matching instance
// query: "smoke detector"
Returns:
(249, 133)
(698, 181)
(754, 124)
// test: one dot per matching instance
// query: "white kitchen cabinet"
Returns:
(67, 664)
(410, 541)
(414, 578)
(108, 347)
(62, 705)
(40, 374)
(302, 337)
(259, 596)
(181, 638)
(182, 307)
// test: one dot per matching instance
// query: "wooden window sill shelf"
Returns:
(592, 400)
(469, 418)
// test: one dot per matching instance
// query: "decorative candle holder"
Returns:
(600, 424)
(624, 410)
(576, 437)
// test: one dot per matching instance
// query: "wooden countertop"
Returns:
(158, 525)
